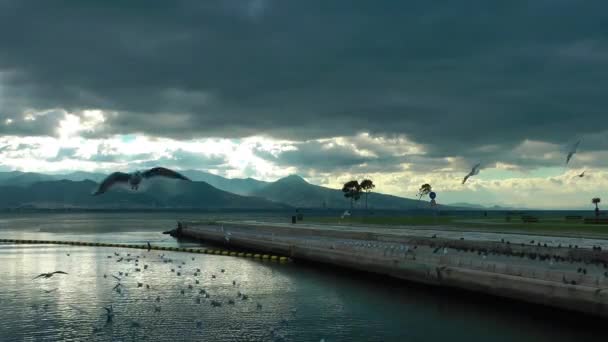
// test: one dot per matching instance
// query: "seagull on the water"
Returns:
(345, 214)
(474, 171)
(109, 313)
(48, 275)
(135, 178)
(572, 152)
(581, 175)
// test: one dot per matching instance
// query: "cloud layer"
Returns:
(453, 76)
(326, 89)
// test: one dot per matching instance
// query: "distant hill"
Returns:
(157, 194)
(81, 175)
(18, 178)
(297, 192)
(466, 205)
(291, 191)
(240, 186)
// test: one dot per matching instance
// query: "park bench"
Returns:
(529, 219)
(596, 220)
(573, 218)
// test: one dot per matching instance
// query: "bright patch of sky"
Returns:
(501, 184)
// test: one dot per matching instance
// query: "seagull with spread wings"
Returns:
(473, 172)
(48, 275)
(135, 178)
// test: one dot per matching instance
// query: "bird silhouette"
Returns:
(474, 171)
(135, 178)
(48, 275)
(572, 152)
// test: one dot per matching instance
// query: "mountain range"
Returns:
(38, 190)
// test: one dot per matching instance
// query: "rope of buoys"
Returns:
(158, 248)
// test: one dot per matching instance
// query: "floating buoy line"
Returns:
(157, 248)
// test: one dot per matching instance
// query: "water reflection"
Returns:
(299, 302)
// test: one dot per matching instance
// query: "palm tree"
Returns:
(367, 185)
(424, 190)
(596, 201)
(352, 190)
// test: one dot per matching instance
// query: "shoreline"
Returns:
(545, 275)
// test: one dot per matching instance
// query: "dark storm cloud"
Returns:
(184, 160)
(44, 123)
(454, 76)
(328, 157)
(178, 158)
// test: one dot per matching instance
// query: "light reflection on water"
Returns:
(300, 302)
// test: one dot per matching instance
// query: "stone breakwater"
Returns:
(566, 277)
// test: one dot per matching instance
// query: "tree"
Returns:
(367, 185)
(596, 201)
(352, 190)
(424, 190)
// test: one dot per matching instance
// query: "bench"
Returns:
(573, 218)
(596, 220)
(529, 219)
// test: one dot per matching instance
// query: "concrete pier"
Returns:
(567, 278)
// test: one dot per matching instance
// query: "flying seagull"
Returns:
(473, 172)
(48, 275)
(572, 152)
(133, 179)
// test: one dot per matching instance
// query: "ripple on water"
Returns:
(331, 304)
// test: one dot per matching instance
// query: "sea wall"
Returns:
(494, 268)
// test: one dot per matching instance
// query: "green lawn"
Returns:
(546, 225)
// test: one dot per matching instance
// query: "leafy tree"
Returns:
(596, 201)
(352, 190)
(367, 185)
(424, 190)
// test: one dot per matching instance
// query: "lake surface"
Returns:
(298, 301)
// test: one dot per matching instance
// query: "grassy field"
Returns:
(546, 225)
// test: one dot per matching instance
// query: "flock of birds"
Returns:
(571, 152)
(177, 268)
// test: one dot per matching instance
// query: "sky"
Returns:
(404, 93)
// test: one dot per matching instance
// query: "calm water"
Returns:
(299, 302)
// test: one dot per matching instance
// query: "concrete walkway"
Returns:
(566, 277)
